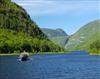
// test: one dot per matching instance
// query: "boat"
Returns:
(24, 56)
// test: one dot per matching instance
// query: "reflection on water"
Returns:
(61, 66)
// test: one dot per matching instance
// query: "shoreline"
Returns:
(13, 54)
(39, 53)
(45, 53)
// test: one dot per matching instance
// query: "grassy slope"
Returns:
(82, 39)
(60, 40)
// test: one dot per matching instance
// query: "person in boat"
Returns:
(24, 56)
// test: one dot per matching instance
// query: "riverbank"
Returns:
(42, 53)
(9, 54)
(33, 53)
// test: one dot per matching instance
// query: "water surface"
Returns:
(78, 65)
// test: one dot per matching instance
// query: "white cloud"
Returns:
(42, 7)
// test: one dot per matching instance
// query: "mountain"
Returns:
(85, 37)
(14, 17)
(58, 36)
(18, 32)
(53, 33)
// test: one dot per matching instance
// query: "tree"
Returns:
(95, 47)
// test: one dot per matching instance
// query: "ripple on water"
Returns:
(51, 67)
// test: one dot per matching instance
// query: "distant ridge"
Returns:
(58, 36)
(53, 32)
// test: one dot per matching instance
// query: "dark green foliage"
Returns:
(2, 1)
(15, 18)
(95, 47)
(26, 46)
(18, 32)
(11, 41)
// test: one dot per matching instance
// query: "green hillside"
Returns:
(57, 36)
(85, 37)
(14, 17)
(18, 32)
(60, 40)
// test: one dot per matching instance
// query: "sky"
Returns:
(69, 15)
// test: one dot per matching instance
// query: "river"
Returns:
(77, 65)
